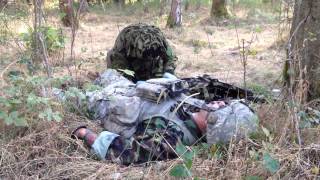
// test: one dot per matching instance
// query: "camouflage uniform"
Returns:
(138, 130)
(154, 140)
(143, 49)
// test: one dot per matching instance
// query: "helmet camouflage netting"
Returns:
(144, 49)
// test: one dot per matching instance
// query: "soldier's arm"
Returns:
(170, 63)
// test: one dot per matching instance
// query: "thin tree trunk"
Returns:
(198, 5)
(302, 69)
(119, 3)
(219, 9)
(187, 5)
(162, 7)
(3, 3)
(67, 9)
(175, 16)
(40, 52)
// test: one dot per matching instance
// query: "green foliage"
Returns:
(183, 170)
(22, 103)
(270, 163)
(256, 3)
(198, 44)
(253, 178)
(309, 118)
(4, 31)
(179, 171)
(264, 155)
(89, 87)
(53, 38)
(260, 90)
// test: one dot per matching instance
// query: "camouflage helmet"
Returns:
(143, 49)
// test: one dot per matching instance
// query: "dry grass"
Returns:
(46, 151)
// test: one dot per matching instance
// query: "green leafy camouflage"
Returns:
(143, 49)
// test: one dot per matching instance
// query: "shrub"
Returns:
(53, 38)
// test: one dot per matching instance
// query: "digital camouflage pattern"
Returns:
(143, 49)
(138, 130)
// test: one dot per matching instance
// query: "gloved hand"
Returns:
(169, 76)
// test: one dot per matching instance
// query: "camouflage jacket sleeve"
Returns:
(170, 64)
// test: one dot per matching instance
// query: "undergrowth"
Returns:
(36, 144)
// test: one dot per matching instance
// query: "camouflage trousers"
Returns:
(155, 140)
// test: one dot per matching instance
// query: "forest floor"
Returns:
(203, 47)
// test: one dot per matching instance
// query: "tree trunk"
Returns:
(175, 16)
(302, 69)
(68, 13)
(120, 3)
(83, 6)
(187, 5)
(219, 9)
(3, 3)
(162, 7)
(198, 5)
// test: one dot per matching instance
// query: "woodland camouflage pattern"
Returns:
(154, 140)
(143, 49)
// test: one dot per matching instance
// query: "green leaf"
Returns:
(181, 149)
(179, 171)
(8, 120)
(48, 114)
(187, 155)
(5, 102)
(188, 163)
(271, 164)
(75, 92)
(14, 118)
(253, 178)
(127, 72)
(56, 116)
(20, 122)
(15, 101)
(254, 154)
(3, 115)
(31, 100)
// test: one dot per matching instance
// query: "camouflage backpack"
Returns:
(143, 49)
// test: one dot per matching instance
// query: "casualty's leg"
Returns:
(156, 144)
(85, 134)
(160, 146)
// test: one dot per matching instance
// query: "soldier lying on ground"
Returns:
(146, 121)
(143, 49)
